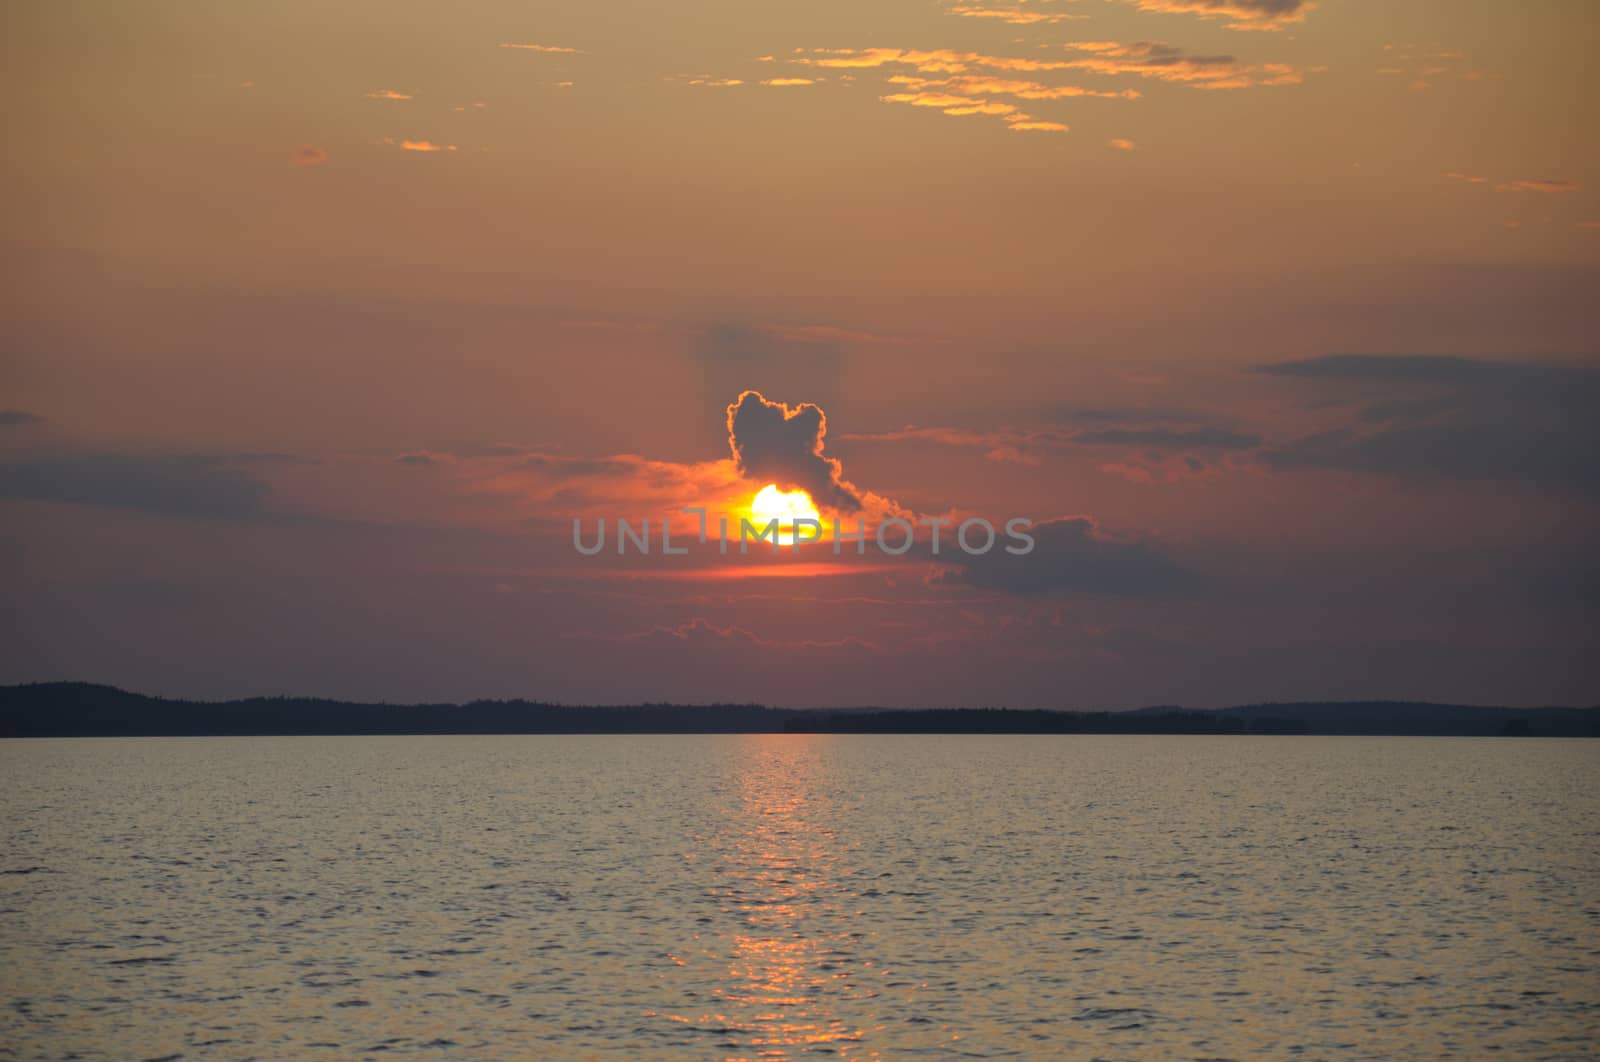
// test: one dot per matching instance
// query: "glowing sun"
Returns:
(786, 507)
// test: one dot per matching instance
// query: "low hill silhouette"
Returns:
(77, 709)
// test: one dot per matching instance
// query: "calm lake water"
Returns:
(773, 896)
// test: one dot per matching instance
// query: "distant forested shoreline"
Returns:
(75, 709)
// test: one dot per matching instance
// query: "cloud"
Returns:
(549, 49)
(1024, 447)
(716, 82)
(388, 94)
(985, 85)
(1390, 367)
(701, 633)
(1428, 417)
(1147, 59)
(967, 94)
(1121, 415)
(1243, 14)
(497, 487)
(789, 82)
(1420, 68)
(1540, 185)
(1071, 555)
(1164, 468)
(1164, 439)
(1121, 144)
(1015, 15)
(772, 442)
(1537, 185)
(1165, 62)
(307, 155)
(16, 418)
(418, 145)
(768, 443)
(183, 486)
(1001, 447)
(949, 104)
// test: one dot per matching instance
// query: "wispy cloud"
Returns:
(1027, 447)
(1422, 67)
(1242, 14)
(1122, 144)
(1024, 124)
(1537, 184)
(716, 82)
(1002, 447)
(388, 94)
(418, 145)
(949, 104)
(1431, 417)
(546, 48)
(1165, 62)
(182, 486)
(308, 155)
(789, 82)
(982, 85)
(1146, 59)
(1015, 14)
(966, 106)
(1073, 555)
(961, 83)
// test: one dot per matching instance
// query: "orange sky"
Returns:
(324, 320)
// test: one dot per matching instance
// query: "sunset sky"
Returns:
(323, 321)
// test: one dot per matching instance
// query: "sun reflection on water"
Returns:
(789, 953)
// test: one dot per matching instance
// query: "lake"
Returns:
(795, 896)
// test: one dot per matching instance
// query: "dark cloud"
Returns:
(493, 450)
(772, 442)
(559, 467)
(1389, 367)
(416, 460)
(1424, 416)
(1026, 447)
(1071, 556)
(1466, 451)
(186, 486)
(1118, 415)
(16, 418)
(1165, 439)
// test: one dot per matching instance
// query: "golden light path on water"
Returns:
(789, 959)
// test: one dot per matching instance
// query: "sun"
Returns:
(786, 507)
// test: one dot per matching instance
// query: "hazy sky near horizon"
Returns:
(323, 321)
